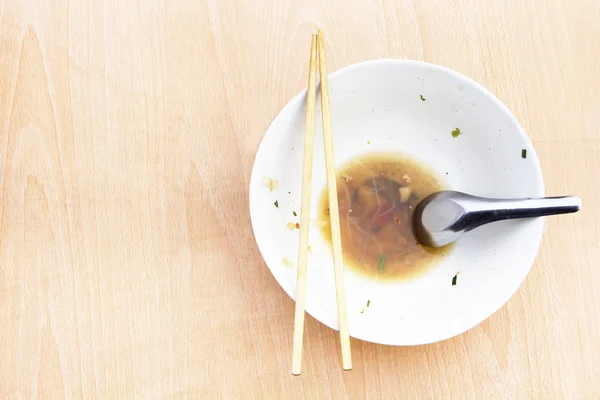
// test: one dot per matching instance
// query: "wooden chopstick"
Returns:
(305, 209)
(338, 262)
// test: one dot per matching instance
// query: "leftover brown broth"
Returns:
(377, 194)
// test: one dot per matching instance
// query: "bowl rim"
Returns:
(532, 154)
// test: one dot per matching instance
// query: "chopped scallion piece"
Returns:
(382, 258)
(368, 303)
(524, 153)
(456, 132)
(454, 280)
(276, 204)
(422, 98)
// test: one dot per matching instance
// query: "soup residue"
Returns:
(377, 194)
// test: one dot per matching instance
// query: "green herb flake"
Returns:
(456, 132)
(454, 280)
(294, 212)
(368, 303)
(524, 153)
(276, 204)
(422, 98)
(382, 258)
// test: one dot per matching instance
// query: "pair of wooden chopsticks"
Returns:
(317, 50)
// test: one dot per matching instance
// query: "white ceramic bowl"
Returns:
(379, 102)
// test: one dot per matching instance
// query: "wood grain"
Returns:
(128, 131)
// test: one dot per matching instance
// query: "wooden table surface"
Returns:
(128, 268)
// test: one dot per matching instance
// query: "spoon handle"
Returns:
(500, 209)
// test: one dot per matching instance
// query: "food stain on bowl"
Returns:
(377, 194)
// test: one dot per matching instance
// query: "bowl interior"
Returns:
(378, 106)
